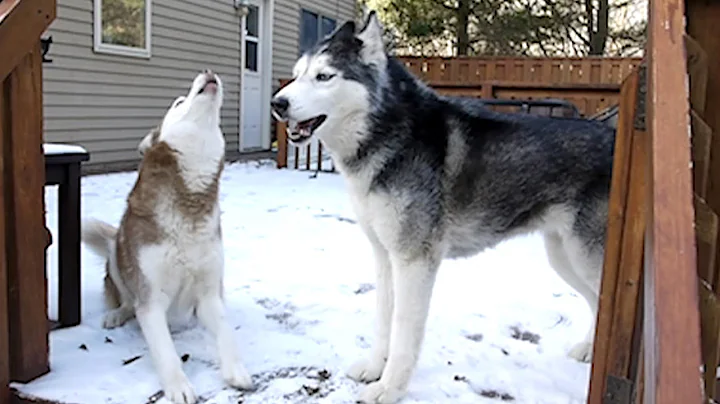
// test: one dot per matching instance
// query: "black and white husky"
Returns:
(434, 177)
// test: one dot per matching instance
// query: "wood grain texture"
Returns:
(613, 239)
(625, 310)
(25, 180)
(672, 325)
(20, 30)
(4, 320)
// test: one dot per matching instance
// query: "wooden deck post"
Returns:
(25, 179)
(672, 326)
(23, 238)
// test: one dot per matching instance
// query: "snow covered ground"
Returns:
(299, 291)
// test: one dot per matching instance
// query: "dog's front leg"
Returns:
(413, 281)
(153, 323)
(369, 369)
(211, 313)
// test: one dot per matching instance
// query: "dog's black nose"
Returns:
(280, 105)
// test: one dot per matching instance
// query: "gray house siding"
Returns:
(286, 29)
(107, 103)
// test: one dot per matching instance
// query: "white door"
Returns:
(252, 81)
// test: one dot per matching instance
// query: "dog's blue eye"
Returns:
(324, 77)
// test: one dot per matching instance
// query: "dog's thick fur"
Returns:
(434, 177)
(167, 256)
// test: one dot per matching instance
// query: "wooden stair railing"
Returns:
(616, 353)
(656, 356)
(23, 236)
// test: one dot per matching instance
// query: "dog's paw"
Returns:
(379, 393)
(582, 351)
(116, 317)
(179, 390)
(237, 376)
(366, 369)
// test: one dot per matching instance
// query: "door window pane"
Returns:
(251, 56)
(252, 22)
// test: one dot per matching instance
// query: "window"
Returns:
(252, 32)
(313, 27)
(122, 27)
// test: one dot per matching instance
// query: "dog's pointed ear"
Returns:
(346, 31)
(149, 140)
(371, 35)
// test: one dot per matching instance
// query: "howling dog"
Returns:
(166, 257)
(433, 177)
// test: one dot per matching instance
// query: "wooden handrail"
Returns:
(6, 6)
(672, 326)
(21, 24)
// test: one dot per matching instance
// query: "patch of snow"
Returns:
(62, 148)
(299, 276)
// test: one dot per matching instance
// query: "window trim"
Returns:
(121, 50)
(320, 16)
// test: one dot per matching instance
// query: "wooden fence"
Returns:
(24, 324)
(591, 84)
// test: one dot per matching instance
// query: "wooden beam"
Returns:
(672, 325)
(4, 321)
(24, 182)
(623, 336)
(613, 239)
(20, 30)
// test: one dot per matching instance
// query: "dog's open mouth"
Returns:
(210, 87)
(301, 131)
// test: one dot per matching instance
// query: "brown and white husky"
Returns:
(167, 254)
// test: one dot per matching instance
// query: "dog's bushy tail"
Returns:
(100, 237)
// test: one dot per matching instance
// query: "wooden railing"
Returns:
(23, 235)
(660, 343)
